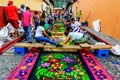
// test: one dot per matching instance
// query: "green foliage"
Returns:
(58, 56)
(77, 71)
(60, 27)
(85, 77)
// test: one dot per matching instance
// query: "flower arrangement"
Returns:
(55, 66)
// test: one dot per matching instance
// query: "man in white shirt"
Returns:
(76, 26)
(75, 36)
(41, 35)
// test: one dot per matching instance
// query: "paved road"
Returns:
(7, 62)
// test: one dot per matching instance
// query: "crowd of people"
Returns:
(41, 24)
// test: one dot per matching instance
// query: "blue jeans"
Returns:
(36, 24)
(28, 34)
(78, 19)
(45, 39)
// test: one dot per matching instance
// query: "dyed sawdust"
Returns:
(8, 61)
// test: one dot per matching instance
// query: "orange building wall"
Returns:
(108, 11)
(33, 4)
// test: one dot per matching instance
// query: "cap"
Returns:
(10, 2)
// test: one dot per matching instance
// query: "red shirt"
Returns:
(12, 12)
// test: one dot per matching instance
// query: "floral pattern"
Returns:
(95, 67)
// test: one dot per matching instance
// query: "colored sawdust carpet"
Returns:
(59, 66)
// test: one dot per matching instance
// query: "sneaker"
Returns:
(59, 45)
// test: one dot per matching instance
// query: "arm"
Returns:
(6, 16)
(38, 17)
(51, 26)
(17, 11)
(66, 40)
(44, 33)
(79, 25)
(32, 20)
(81, 28)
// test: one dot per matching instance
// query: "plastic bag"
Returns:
(20, 29)
(100, 43)
(10, 28)
(3, 33)
(116, 49)
(96, 25)
(1, 43)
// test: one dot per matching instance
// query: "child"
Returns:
(74, 36)
(41, 35)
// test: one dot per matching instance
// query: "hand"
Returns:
(7, 20)
(32, 25)
(51, 38)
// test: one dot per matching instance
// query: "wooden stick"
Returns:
(29, 45)
(64, 48)
(85, 45)
(101, 47)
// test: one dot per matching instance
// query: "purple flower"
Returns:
(67, 70)
(99, 73)
(46, 64)
(22, 73)
(57, 69)
(29, 61)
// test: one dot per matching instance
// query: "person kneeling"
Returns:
(75, 36)
(41, 35)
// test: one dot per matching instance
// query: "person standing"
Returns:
(79, 14)
(43, 16)
(21, 10)
(36, 19)
(70, 14)
(59, 15)
(48, 18)
(55, 16)
(53, 13)
(26, 23)
(11, 12)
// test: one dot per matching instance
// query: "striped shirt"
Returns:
(76, 26)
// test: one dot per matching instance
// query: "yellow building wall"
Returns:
(108, 11)
(33, 4)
